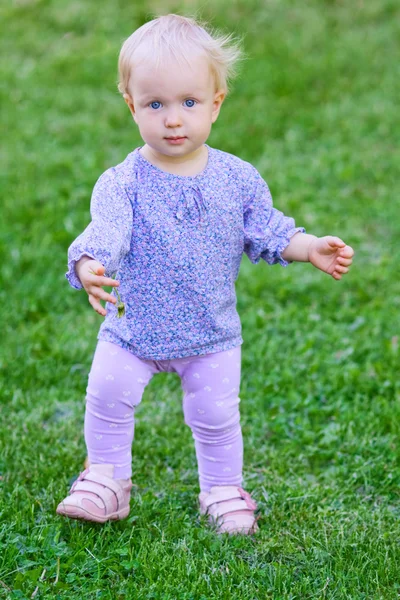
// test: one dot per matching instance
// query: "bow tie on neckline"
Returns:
(191, 203)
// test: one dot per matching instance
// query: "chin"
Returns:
(177, 150)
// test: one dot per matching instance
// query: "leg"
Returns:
(211, 408)
(115, 388)
(116, 383)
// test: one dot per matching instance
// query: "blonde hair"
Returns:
(170, 36)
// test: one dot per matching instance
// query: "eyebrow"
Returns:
(147, 96)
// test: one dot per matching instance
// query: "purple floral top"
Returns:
(176, 243)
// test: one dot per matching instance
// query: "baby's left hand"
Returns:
(330, 254)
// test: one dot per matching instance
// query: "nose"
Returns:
(173, 118)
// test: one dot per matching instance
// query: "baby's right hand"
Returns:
(91, 274)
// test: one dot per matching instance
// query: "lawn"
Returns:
(316, 110)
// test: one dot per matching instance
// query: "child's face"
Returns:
(174, 106)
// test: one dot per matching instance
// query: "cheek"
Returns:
(204, 119)
(145, 123)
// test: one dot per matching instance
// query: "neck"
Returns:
(189, 165)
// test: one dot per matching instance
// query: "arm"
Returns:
(97, 253)
(267, 231)
(107, 237)
(329, 254)
(270, 235)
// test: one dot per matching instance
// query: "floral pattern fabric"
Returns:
(175, 244)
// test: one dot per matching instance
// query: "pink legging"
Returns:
(210, 403)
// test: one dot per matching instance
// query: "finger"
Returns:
(347, 252)
(335, 242)
(97, 269)
(97, 306)
(100, 294)
(101, 281)
(340, 269)
(346, 262)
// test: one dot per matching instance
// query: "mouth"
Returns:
(175, 140)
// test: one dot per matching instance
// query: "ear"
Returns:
(128, 99)
(218, 100)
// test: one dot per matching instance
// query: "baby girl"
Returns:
(172, 222)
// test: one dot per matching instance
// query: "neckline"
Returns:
(167, 174)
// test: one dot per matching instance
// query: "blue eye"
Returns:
(156, 105)
(189, 103)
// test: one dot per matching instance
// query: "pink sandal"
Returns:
(230, 508)
(96, 496)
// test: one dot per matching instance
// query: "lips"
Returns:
(175, 140)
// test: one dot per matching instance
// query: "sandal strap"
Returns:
(103, 480)
(105, 495)
(246, 520)
(90, 481)
(240, 524)
(219, 509)
(220, 494)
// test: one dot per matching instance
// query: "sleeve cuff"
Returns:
(71, 275)
(278, 258)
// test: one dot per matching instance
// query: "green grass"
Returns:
(316, 111)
